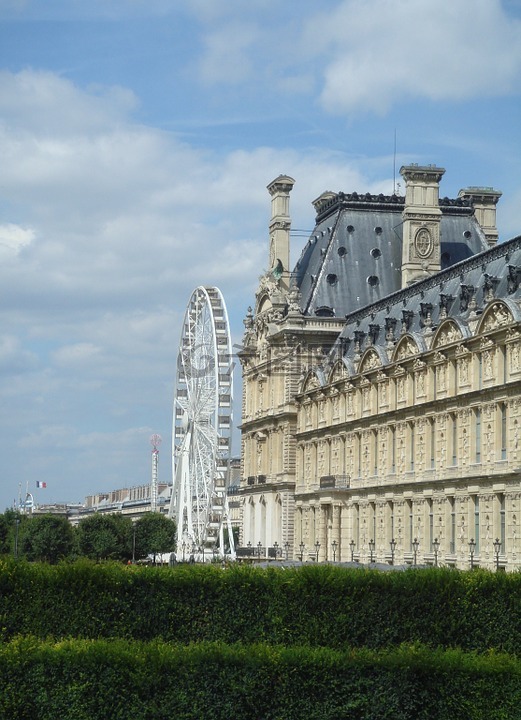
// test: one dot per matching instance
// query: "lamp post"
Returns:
(415, 546)
(497, 550)
(259, 548)
(333, 545)
(302, 546)
(392, 544)
(352, 546)
(317, 548)
(248, 545)
(286, 548)
(371, 549)
(16, 526)
(472, 550)
(435, 547)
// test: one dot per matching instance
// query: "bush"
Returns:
(320, 606)
(99, 679)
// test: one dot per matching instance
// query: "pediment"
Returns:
(338, 371)
(370, 361)
(448, 332)
(406, 347)
(495, 316)
(310, 382)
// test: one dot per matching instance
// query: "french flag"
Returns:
(40, 484)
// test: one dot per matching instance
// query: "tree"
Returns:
(46, 538)
(155, 534)
(9, 529)
(103, 537)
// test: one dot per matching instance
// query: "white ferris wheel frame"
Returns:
(202, 426)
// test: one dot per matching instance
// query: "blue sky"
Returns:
(136, 142)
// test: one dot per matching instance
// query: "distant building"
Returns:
(382, 381)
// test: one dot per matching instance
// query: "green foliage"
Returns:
(154, 534)
(90, 640)
(103, 537)
(123, 680)
(47, 538)
(8, 530)
(317, 605)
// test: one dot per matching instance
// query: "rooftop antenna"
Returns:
(155, 441)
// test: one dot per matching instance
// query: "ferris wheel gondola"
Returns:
(202, 426)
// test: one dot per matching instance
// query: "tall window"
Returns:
(393, 448)
(476, 522)
(502, 525)
(356, 524)
(433, 442)
(431, 523)
(372, 530)
(477, 417)
(412, 446)
(452, 531)
(454, 419)
(411, 523)
(503, 421)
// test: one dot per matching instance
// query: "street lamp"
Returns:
(415, 546)
(352, 545)
(371, 549)
(472, 550)
(392, 543)
(259, 547)
(286, 548)
(497, 550)
(249, 549)
(302, 546)
(16, 526)
(333, 545)
(435, 547)
(317, 548)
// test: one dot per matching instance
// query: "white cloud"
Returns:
(384, 51)
(76, 355)
(14, 238)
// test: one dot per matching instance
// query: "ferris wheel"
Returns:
(202, 426)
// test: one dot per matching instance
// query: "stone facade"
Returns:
(387, 430)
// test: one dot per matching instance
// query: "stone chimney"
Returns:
(484, 200)
(421, 222)
(279, 227)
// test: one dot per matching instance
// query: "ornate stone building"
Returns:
(381, 382)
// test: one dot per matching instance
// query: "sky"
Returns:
(137, 139)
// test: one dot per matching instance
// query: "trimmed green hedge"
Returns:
(122, 680)
(316, 605)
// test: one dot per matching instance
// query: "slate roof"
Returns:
(353, 256)
(450, 293)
